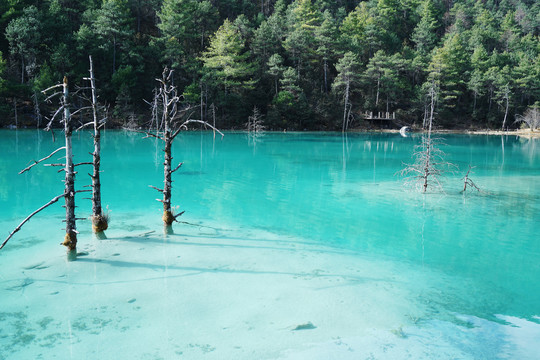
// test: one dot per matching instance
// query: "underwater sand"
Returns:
(256, 276)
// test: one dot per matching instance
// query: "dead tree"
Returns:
(174, 119)
(467, 181)
(70, 239)
(100, 221)
(429, 164)
(531, 118)
(255, 122)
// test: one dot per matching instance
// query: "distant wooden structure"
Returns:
(380, 115)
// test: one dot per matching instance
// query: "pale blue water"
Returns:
(460, 271)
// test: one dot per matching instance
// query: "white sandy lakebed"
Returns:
(208, 292)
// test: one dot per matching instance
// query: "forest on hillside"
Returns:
(304, 64)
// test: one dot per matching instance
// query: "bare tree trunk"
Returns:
(345, 106)
(37, 112)
(69, 192)
(206, 102)
(202, 103)
(22, 69)
(16, 115)
(378, 87)
(506, 96)
(325, 76)
(114, 55)
(99, 221)
(168, 100)
(168, 217)
(427, 143)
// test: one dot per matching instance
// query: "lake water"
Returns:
(292, 246)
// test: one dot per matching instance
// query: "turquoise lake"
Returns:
(292, 246)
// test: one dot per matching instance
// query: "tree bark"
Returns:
(114, 55)
(16, 115)
(343, 127)
(99, 221)
(378, 87)
(427, 166)
(22, 69)
(70, 240)
(325, 76)
(168, 217)
(37, 112)
(506, 95)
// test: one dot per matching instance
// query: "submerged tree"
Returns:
(70, 239)
(100, 221)
(467, 181)
(255, 122)
(429, 164)
(174, 119)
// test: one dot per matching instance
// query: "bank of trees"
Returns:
(305, 64)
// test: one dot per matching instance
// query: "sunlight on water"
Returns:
(293, 246)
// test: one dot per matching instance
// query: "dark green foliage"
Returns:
(286, 57)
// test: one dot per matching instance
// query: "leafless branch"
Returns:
(176, 168)
(55, 199)
(81, 109)
(45, 158)
(84, 125)
(467, 181)
(158, 189)
(60, 109)
(178, 215)
(52, 87)
(201, 122)
(48, 98)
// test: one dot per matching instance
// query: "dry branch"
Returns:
(55, 199)
(156, 188)
(176, 168)
(84, 125)
(203, 122)
(37, 162)
(467, 180)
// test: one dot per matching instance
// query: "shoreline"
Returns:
(521, 132)
(518, 132)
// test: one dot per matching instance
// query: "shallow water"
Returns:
(313, 232)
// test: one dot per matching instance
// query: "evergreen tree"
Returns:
(357, 32)
(185, 27)
(24, 35)
(424, 35)
(326, 37)
(227, 60)
(275, 68)
(112, 24)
